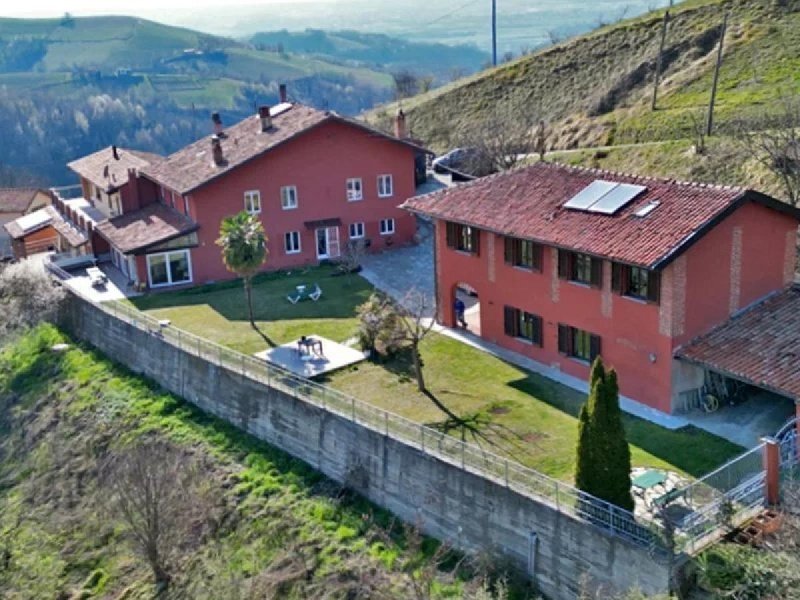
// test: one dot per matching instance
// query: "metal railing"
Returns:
(559, 495)
(724, 498)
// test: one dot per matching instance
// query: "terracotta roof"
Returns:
(44, 217)
(109, 173)
(528, 203)
(17, 200)
(153, 224)
(192, 166)
(760, 345)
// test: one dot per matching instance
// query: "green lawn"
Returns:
(523, 415)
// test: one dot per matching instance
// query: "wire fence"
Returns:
(470, 457)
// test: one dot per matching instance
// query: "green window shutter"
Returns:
(563, 338)
(538, 331)
(510, 321)
(509, 250)
(654, 286)
(597, 272)
(594, 347)
(538, 257)
(616, 277)
(452, 235)
(564, 264)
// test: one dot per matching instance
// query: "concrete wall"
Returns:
(451, 504)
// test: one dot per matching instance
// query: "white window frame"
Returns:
(286, 245)
(186, 206)
(284, 191)
(353, 194)
(382, 186)
(169, 272)
(251, 198)
(385, 230)
(358, 225)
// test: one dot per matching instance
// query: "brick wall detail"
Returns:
(734, 302)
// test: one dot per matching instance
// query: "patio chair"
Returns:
(315, 293)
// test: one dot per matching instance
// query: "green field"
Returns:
(522, 415)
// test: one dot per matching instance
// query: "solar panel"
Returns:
(614, 200)
(604, 197)
(590, 194)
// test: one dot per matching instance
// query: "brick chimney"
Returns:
(216, 150)
(132, 192)
(284, 98)
(266, 118)
(400, 125)
(216, 119)
(114, 152)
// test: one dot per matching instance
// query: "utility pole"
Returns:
(710, 122)
(494, 32)
(660, 58)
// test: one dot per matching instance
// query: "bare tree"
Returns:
(776, 145)
(504, 139)
(417, 320)
(156, 489)
(28, 295)
(406, 84)
(352, 254)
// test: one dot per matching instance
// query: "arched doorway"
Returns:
(465, 297)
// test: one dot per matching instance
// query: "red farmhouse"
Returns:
(571, 263)
(316, 180)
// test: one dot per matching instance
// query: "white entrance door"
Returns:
(132, 275)
(328, 242)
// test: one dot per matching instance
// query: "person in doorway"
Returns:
(460, 308)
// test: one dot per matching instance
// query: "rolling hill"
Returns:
(596, 89)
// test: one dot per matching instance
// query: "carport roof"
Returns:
(760, 345)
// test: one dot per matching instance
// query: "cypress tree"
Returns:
(603, 457)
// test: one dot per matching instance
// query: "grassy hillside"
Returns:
(97, 50)
(596, 89)
(371, 49)
(281, 530)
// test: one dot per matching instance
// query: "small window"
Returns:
(357, 230)
(385, 187)
(186, 206)
(463, 238)
(578, 343)
(523, 325)
(355, 190)
(523, 253)
(252, 202)
(292, 242)
(288, 197)
(580, 268)
(387, 226)
(636, 282)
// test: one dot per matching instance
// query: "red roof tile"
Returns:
(145, 227)
(761, 345)
(193, 166)
(528, 203)
(17, 200)
(109, 173)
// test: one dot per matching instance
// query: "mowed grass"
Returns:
(219, 312)
(519, 414)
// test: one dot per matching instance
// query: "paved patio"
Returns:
(312, 363)
(116, 289)
(400, 270)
